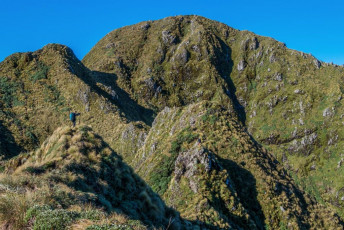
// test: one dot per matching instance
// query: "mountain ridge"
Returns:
(138, 79)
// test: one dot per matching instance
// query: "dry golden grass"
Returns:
(81, 224)
(58, 177)
(13, 207)
(219, 47)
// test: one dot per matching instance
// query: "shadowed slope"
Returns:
(75, 167)
(289, 101)
(218, 94)
(39, 89)
(201, 154)
(8, 146)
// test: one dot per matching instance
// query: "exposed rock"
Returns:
(254, 44)
(118, 63)
(272, 58)
(153, 86)
(112, 92)
(339, 164)
(183, 56)
(84, 98)
(278, 77)
(295, 82)
(254, 113)
(317, 63)
(241, 65)
(301, 122)
(313, 167)
(196, 49)
(302, 109)
(259, 54)
(305, 145)
(186, 163)
(328, 112)
(298, 91)
(145, 26)
(168, 37)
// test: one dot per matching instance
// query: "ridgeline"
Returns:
(191, 124)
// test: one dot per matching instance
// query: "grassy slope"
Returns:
(76, 178)
(203, 163)
(40, 88)
(280, 95)
(135, 71)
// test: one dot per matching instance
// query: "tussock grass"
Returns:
(13, 207)
(279, 96)
(75, 179)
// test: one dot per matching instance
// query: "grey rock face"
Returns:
(112, 92)
(313, 167)
(317, 63)
(340, 163)
(272, 58)
(183, 56)
(145, 26)
(154, 87)
(186, 164)
(196, 49)
(168, 38)
(84, 98)
(304, 145)
(278, 77)
(241, 66)
(328, 112)
(151, 84)
(298, 91)
(254, 44)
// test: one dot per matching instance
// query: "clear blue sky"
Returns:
(315, 26)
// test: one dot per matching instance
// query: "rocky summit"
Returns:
(185, 123)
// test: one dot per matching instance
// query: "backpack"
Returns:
(72, 116)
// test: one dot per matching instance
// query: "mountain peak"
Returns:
(229, 128)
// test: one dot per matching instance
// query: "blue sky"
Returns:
(315, 26)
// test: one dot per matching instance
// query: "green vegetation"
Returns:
(46, 218)
(8, 92)
(149, 91)
(62, 177)
(41, 72)
(162, 174)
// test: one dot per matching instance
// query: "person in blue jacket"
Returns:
(72, 117)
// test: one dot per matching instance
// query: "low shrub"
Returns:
(41, 72)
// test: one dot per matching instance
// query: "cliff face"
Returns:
(231, 129)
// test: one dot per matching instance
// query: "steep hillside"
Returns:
(76, 178)
(39, 89)
(289, 101)
(203, 163)
(230, 129)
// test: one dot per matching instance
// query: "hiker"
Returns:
(72, 117)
